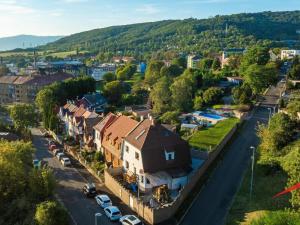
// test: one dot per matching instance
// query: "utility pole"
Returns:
(252, 170)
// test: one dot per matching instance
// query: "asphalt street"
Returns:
(214, 200)
(70, 183)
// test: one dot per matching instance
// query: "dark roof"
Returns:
(108, 119)
(95, 99)
(153, 140)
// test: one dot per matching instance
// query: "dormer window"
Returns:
(169, 155)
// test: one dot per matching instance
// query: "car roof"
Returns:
(132, 218)
(65, 158)
(113, 209)
(104, 197)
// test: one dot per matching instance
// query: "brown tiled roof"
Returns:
(115, 132)
(79, 112)
(23, 79)
(153, 140)
(105, 122)
(7, 79)
(66, 106)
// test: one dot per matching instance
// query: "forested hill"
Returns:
(187, 35)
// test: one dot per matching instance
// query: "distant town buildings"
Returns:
(99, 71)
(227, 53)
(289, 54)
(24, 88)
(192, 61)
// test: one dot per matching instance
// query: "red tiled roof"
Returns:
(115, 132)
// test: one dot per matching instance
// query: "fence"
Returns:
(160, 214)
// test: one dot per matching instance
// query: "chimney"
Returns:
(141, 118)
(153, 122)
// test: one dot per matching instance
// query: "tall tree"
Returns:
(152, 74)
(23, 115)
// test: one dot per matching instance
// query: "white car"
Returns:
(103, 200)
(60, 155)
(113, 213)
(130, 220)
(65, 161)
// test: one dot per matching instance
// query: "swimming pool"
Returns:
(211, 116)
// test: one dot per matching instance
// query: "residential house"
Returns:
(93, 102)
(100, 128)
(192, 61)
(289, 54)
(66, 116)
(113, 138)
(89, 121)
(77, 123)
(156, 156)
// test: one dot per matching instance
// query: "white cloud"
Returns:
(148, 9)
(12, 7)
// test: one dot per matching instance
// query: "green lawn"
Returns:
(208, 138)
(266, 184)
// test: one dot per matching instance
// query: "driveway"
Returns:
(70, 182)
(213, 202)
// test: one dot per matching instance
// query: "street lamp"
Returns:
(252, 170)
(98, 218)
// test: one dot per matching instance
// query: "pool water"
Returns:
(212, 116)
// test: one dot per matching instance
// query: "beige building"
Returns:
(24, 88)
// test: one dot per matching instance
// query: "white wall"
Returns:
(97, 140)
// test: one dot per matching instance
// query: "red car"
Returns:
(52, 147)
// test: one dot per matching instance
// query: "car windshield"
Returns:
(92, 189)
(106, 201)
(139, 223)
(116, 213)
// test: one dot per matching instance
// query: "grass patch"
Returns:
(210, 137)
(266, 184)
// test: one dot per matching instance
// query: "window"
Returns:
(134, 170)
(126, 148)
(142, 179)
(169, 155)
(147, 181)
(126, 164)
(137, 156)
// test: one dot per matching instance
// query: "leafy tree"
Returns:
(182, 92)
(108, 77)
(171, 71)
(180, 61)
(259, 77)
(212, 95)
(170, 117)
(113, 91)
(291, 165)
(293, 108)
(198, 103)
(276, 135)
(216, 65)
(294, 72)
(23, 115)
(205, 64)
(41, 184)
(51, 213)
(161, 96)
(3, 70)
(255, 55)
(242, 94)
(126, 72)
(152, 74)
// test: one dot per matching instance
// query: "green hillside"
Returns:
(186, 35)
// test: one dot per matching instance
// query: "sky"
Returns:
(64, 17)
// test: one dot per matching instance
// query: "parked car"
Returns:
(103, 200)
(130, 220)
(52, 147)
(65, 161)
(113, 213)
(56, 151)
(36, 163)
(89, 190)
(60, 155)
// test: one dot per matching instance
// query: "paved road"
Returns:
(214, 200)
(70, 181)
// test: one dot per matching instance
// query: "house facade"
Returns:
(289, 54)
(113, 139)
(155, 156)
(192, 61)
